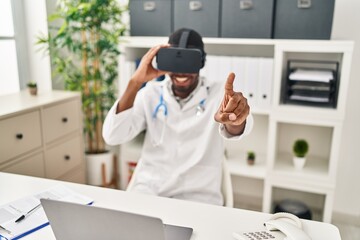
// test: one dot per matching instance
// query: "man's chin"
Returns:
(182, 89)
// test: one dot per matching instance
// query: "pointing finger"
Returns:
(229, 88)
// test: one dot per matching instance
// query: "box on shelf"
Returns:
(202, 16)
(150, 18)
(303, 19)
(246, 18)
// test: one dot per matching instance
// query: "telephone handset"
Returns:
(281, 226)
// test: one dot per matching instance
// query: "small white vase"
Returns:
(299, 162)
(93, 165)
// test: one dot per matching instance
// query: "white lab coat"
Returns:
(186, 164)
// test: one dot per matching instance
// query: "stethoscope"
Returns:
(162, 107)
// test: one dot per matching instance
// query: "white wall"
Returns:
(347, 195)
(39, 63)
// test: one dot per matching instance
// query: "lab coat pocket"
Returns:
(157, 130)
(203, 179)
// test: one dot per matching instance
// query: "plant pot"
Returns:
(33, 91)
(250, 161)
(299, 162)
(94, 164)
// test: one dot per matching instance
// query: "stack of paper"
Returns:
(9, 213)
(311, 85)
(311, 75)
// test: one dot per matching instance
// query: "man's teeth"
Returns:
(181, 79)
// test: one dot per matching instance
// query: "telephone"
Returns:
(280, 226)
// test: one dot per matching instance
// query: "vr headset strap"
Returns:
(183, 39)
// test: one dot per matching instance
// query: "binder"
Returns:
(238, 66)
(10, 230)
(224, 68)
(251, 81)
(212, 68)
(264, 96)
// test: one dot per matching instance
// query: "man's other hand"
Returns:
(233, 109)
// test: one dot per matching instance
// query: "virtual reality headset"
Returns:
(180, 59)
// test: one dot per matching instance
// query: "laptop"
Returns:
(70, 221)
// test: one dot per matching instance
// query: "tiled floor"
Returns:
(348, 232)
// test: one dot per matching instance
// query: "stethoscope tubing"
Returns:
(199, 110)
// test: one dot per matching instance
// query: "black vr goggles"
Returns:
(180, 59)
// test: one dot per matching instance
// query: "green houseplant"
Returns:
(32, 87)
(251, 157)
(84, 55)
(300, 149)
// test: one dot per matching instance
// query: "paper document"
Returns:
(310, 99)
(312, 75)
(9, 213)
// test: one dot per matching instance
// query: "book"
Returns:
(10, 212)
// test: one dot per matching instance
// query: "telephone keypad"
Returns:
(258, 235)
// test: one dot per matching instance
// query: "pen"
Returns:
(26, 214)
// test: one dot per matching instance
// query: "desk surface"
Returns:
(209, 222)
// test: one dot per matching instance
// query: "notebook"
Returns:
(70, 221)
(35, 219)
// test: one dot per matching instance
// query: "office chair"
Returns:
(131, 182)
(226, 185)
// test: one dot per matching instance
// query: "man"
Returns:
(183, 147)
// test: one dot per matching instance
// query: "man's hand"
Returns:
(146, 72)
(233, 110)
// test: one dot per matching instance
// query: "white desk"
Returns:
(209, 222)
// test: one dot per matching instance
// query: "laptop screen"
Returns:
(75, 221)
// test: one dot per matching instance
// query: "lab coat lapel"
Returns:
(168, 97)
(200, 95)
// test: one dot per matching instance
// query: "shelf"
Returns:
(260, 111)
(313, 201)
(276, 127)
(314, 115)
(289, 44)
(314, 172)
(239, 167)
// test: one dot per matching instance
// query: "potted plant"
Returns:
(32, 88)
(84, 55)
(300, 149)
(251, 157)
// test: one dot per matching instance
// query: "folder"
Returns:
(212, 68)
(251, 80)
(238, 66)
(11, 230)
(265, 83)
(224, 68)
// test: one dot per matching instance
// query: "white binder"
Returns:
(238, 66)
(224, 68)
(264, 96)
(251, 80)
(212, 68)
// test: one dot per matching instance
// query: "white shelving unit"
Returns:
(277, 126)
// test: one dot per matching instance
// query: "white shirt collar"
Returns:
(183, 101)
